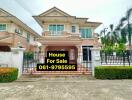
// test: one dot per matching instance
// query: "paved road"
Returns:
(61, 88)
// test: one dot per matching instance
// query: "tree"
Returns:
(111, 39)
(113, 35)
(103, 38)
(127, 19)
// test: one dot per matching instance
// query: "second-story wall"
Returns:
(68, 27)
(14, 28)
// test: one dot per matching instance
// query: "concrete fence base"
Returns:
(12, 59)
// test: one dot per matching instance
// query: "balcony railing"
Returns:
(60, 33)
(55, 33)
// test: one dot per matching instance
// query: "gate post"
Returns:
(17, 59)
(96, 59)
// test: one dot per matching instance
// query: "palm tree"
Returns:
(129, 28)
(103, 31)
(127, 19)
(112, 34)
(121, 33)
(103, 38)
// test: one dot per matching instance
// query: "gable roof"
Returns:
(54, 9)
(4, 13)
(17, 21)
(55, 13)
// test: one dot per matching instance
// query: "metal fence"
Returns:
(30, 61)
(113, 58)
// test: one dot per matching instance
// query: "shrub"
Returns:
(113, 72)
(8, 74)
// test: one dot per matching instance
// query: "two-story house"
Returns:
(15, 33)
(62, 31)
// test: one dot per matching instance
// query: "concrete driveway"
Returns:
(66, 88)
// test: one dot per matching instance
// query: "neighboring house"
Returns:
(62, 31)
(15, 33)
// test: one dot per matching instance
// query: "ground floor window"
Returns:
(86, 53)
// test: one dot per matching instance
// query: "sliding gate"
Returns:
(30, 61)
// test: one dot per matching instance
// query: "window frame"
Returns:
(73, 30)
(88, 51)
(5, 27)
(34, 38)
(28, 37)
(86, 36)
(19, 31)
(55, 32)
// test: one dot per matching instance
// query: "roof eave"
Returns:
(38, 21)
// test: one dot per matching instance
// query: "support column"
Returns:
(96, 60)
(43, 54)
(17, 59)
(79, 58)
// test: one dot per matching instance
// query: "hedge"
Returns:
(113, 72)
(8, 74)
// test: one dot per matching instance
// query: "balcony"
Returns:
(55, 33)
(62, 38)
(60, 34)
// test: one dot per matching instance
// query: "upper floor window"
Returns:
(73, 29)
(34, 38)
(2, 27)
(56, 29)
(19, 31)
(28, 37)
(86, 32)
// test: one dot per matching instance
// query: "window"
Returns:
(19, 31)
(87, 53)
(73, 29)
(2, 27)
(86, 33)
(34, 38)
(28, 37)
(56, 29)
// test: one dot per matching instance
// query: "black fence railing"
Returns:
(30, 61)
(113, 58)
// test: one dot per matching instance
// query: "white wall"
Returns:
(13, 59)
(5, 59)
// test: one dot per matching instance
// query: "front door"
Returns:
(86, 53)
(72, 51)
(86, 56)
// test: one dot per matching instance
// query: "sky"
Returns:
(105, 11)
